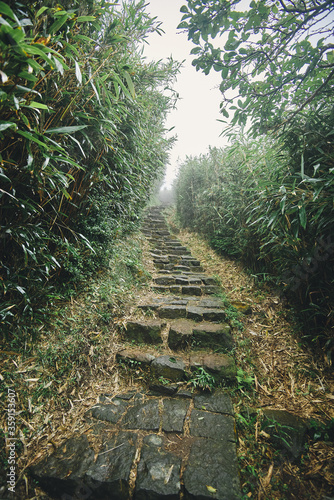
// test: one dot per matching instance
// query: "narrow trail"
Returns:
(163, 440)
(167, 441)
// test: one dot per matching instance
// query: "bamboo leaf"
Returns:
(6, 125)
(31, 137)
(7, 11)
(36, 105)
(41, 11)
(130, 84)
(303, 217)
(82, 19)
(78, 72)
(65, 130)
(58, 24)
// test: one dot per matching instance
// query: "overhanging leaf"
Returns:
(65, 130)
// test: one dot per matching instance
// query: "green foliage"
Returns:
(255, 202)
(202, 379)
(276, 57)
(81, 141)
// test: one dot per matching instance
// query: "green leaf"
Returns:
(303, 217)
(37, 105)
(7, 11)
(4, 177)
(6, 125)
(58, 24)
(130, 84)
(4, 22)
(31, 137)
(65, 130)
(41, 10)
(82, 19)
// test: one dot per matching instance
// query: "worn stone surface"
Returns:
(135, 355)
(148, 332)
(74, 470)
(111, 412)
(174, 412)
(221, 366)
(213, 314)
(213, 335)
(212, 425)
(211, 303)
(180, 333)
(172, 312)
(169, 367)
(195, 313)
(165, 280)
(164, 389)
(217, 401)
(143, 415)
(192, 290)
(212, 471)
(158, 474)
(211, 289)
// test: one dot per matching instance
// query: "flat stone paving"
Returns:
(148, 447)
(166, 443)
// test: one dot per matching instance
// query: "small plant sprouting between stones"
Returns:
(244, 380)
(202, 379)
(163, 381)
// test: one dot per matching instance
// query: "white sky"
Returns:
(195, 119)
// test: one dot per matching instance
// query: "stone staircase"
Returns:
(163, 441)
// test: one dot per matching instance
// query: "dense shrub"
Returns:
(269, 203)
(81, 140)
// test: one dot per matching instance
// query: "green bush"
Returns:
(81, 140)
(269, 203)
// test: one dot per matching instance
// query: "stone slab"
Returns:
(217, 401)
(109, 412)
(168, 367)
(143, 415)
(192, 290)
(286, 429)
(212, 425)
(221, 366)
(144, 332)
(165, 280)
(172, 311)
(213, 335)
(74, 470)
(158, 473)
(173, 415)
(130, 356)
(180, 333)
(212, 471)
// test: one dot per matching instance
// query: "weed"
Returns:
(163, 381)
(202, 379)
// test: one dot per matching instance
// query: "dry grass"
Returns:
(287, 376)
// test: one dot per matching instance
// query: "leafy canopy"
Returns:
(276, 57)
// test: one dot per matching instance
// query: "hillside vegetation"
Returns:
(82, 144)
(267, 199)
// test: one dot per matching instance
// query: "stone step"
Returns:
(187, 289)
(100, 463)
(147, 332)
(186, 333)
